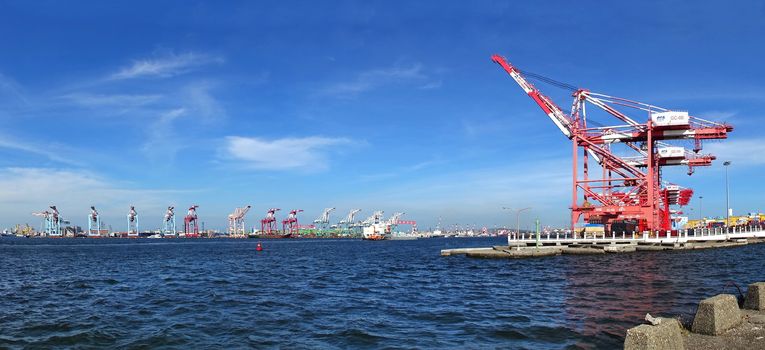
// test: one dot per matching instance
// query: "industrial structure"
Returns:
(236, 224)
(290, 224)
(349, 224)
(268, 224)
(624, 193)
(168, 223)
(94, 223)
(51, 225)
(132, 222)
(191, 222)
(323, 220)
(348, 227)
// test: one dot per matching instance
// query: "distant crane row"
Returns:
(52, 223)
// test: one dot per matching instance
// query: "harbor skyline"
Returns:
(369, 106)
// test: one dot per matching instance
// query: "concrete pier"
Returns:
(547, 245)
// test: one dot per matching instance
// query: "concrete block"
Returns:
(755, 297)
(665, 335)
(716, 315)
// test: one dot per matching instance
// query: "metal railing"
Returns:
(638, 236)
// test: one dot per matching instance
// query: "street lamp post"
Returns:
(701, 216)
(517, 219)
(727, 199)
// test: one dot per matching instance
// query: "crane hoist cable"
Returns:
(544, 79)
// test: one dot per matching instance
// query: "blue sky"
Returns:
(378, 105)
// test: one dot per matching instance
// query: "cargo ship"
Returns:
(374, 232)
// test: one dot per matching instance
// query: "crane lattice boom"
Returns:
(629, 188)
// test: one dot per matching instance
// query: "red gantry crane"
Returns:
(268, 224)
(191, 222)
(626, 189)
(290, 224)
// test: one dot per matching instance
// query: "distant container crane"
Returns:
(350, 218)
(323, 220)
(236, 226)
(268, 224)
(349, 222)
(168, 223)
(94, 223)
(132, 223)
(51, 226)
(290, 224)
(630, 190)
(191, 222)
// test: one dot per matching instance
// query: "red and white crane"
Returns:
(628, 188)
(268, 224)
(290, 224)
(191, 222)
(236, 221)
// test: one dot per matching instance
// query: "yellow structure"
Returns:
(734, 221)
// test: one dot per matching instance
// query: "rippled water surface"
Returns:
(341, 294)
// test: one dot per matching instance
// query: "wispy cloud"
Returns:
(401, 171)
(165, 66)
(742, 152)
(51, 152)
(162, 141)
(304, 154)
(10, 89)
(432, 85)
(115, 100)
(375, 78)
(199, 100)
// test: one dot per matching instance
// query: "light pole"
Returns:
(701, 216)
(727, 201)
(517, 219)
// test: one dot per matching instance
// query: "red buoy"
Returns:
(260, 247)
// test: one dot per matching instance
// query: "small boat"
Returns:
(373, 237)
(154, 236)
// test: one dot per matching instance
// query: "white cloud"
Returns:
(166, 66)
(52, 152)
(375, 78)
(25, 190)
(306, 154)
(161, 141)
(116, 100)
(200, 102)
(432, 85)
(10, 88)
(741, 152)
